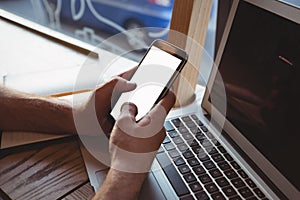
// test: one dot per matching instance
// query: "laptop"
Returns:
(244, 144)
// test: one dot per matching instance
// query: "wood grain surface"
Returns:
(190, 17)
(86, 191)
(49, 170)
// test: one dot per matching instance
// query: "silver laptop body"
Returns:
(213, 156)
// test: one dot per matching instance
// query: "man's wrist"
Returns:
(119, 184)
(131, 162)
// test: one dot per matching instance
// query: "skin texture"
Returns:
(27, 112)
(126, 170)
(132, 144)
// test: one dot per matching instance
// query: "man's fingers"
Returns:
(117, 86)
(128, 74)
(168, 101)
(152, 123)
(160, 110)
(129, 110)
(120, 84)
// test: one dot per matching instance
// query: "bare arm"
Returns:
(133, 146)
(25, 112)
(121, 185)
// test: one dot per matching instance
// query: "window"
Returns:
(82, 22)
(93, 21)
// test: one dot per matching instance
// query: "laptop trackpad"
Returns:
(151, 189)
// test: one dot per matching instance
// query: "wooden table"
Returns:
(52, 169)
(47, 170)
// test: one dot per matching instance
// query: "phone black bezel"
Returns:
(174, 51)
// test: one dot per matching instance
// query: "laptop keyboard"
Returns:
(199, 167)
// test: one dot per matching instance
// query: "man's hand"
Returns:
(103, 99)
(133, 146)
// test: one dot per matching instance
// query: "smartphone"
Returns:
(155, 74)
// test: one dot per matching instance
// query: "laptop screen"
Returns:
(260, 69)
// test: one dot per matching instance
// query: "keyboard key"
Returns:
(215, 173)
(203, 128)
(190, 124)
(206, 143)
(173, 134)
(194, 117)
(193, 162)
(182, 147)
(210, 135)
(195, 187)
(201, 153)
(189, 178)
(217, 157)
(200, 137)
(245, 192)
(177, 140)
(252, 198)
(222, 149)
(235, 198)
(188, 197)
(209, 165)
(235, 165)
(195, 130)
(186, 119)
(230, 174)
(172, 174)
(211, 188)
(259, 193)
(242, 173)
(199, 122)
(177, 122)
(187, 136)
(218, 196)
(222, 182)
(197, 149)
(184, 169)
(182, 129)
(160, 150)
(205, 179)
(203, 157)
(212, 150)
(215, 142)
(188, 154)
(229, 191)
(169, 146)
(166, 140)
(224, 165)
(174, 153)
(202, 195)
(238, 183)
(228, 157)
(250, 183)
(168, 126)
(179, 161)
(193, 143)
(199, 170)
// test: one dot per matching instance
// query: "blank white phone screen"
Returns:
(151, 77)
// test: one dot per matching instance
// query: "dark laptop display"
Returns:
(260, 69)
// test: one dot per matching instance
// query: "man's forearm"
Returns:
(120, 185)
(24, 112)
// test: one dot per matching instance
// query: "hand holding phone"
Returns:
(155, 74)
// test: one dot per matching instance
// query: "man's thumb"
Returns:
(128, 109)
